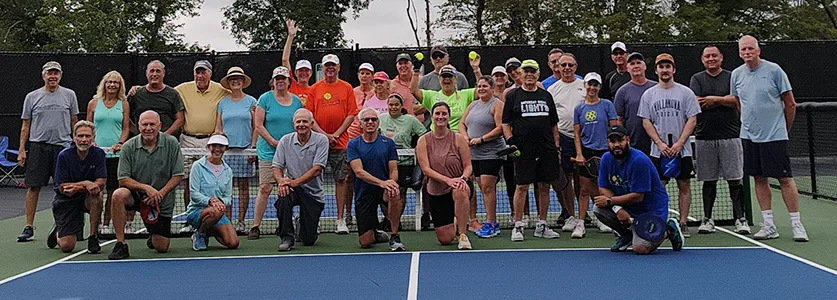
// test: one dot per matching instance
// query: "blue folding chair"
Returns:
(6, 166)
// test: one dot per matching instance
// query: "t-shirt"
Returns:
(296, 160)
(154, 168)
(69, 168)
(430, 81)
(379, 105)
(636, 174)
(201, 107)
(331, 103)
(626, 102)
(612, 82)
(375, 157)
(549, 81)
(166, 103)
(278, 120)
(401, 130)
(531, 115)
(567, 95)
(762, 110)
(668, 109)
(594, 120)
(403, 89)
(719, 122)
(237, 120)
(302, 92)
(458, 102)
(50, 115)
(361, 99)
(108, 123)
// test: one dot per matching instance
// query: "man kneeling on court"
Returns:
(630, 188)
(150, 167)
(80, 174)
(298, 166)
(210, 192)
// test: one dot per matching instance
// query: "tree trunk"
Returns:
(828, 11)
(155, 41)
(427, 21)
(480, 23)
(412, 22)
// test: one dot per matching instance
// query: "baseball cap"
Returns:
(512, 63)
(202, 64)
(303, 64)
(403, 56)
(447, 70)
(51, 65)
(636, 55)
(499, 69)
(281, 71)
(617, 131)
(440, 49)
(618, 45)
(530, 63)
(218, 139)
(664, 57)
(366, 66)
(331, 58)
(593, 76)
(380, 75)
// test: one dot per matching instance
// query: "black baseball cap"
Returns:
(439, 49)
(617, 131)
(636, 55)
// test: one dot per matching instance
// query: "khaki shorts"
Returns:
(266, 172)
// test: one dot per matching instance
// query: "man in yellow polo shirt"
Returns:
(200, 99)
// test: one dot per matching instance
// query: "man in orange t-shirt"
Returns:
(303, 69)
(333, 103)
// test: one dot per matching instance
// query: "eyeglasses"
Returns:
(369, 119)
(567, 65)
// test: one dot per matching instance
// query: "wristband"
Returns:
(616, 208)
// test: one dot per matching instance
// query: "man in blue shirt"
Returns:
(630, 187)
(80, 175)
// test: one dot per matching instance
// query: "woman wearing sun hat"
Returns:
(235, 119)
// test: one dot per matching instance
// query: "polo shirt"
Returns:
(297, 159)
(201, 107)
(154, 167)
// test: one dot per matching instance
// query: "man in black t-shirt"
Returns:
(530, 122)
(717, 145)
(159, 97)
(619, 77)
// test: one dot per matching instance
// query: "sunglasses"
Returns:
(369, 119)
(437, 56)
(568, 65)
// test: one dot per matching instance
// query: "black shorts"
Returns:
(544, 168)
(687, 168)
(40, 163)
(768, 159)
(489, 167)
(366, 210)
(407, 174)
(68, 213)
(112, 182)
(163, 225)
(567, 151)
(588, 153)
(442, 209)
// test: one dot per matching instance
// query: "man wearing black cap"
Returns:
(627, 100)
(619, 77)
(630, 187)
(401, 85)
(430, 81)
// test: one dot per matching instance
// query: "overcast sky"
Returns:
(385, 23)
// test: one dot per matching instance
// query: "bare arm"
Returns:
(219, 125)
(652, 132)
(728, 101)
(507, 131)
(255, 134)
(465, 154)
(312, 173)
(687, 130)
(24, 137)
(620, 120)
(577, 142)
(393, 170)
(91, 107)
(259, 126)
(556, 135)
(179, 120)
(623, 200)
(286, 51)
(414, 86)
(790, 108)
(498, 122)
(357, 167)
(126, 122)
(463, 129)
(73, 121)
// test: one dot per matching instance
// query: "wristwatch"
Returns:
(609, 202)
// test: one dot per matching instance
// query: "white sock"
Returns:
(541, 222)
(795, 218)
(767, 215)
(519, 224)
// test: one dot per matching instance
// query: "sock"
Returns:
(541, 222)
(710, 190)
(519, 224)
(736, 194)
(795, 218)
(767, 215)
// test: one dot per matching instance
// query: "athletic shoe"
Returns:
(602, 227)
(517, 232)
(240, 227)
(384, 225)
(588, 222)
(286, 245)
(543, 231)
(296, 230)
(348, 220)
(684, 229)
(464, 243)
(149, 243)
(799, 233)
(622, 243)
(254, 233)
(395, 244)
(52, 238)
(27, 235)
(425, 221)
(488, 230)
(675, 235)
(381, 236)
(120, 251)
(767, 232)
(474, 226)
(129, 228)
(198, 241)
(569, 224)
(707, 226)
(186, 229)
(579, 231)
(341, 227)
(741, 226)
(562, 218)
(93, 246)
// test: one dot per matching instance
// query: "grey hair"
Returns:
(84, 123)
(156, 61)
(306, 111)
(151, 113)
(749, 37)
(362, 111)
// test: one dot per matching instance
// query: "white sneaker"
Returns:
(129, 228)
(741, 226)
(186, 228)
(579, 230)
(707, 226)
(543, 231)
(517, 232)
(602, 227)
(464, 243)
(569, 224)
(341, 227)
(767, 232)
(799, 233)
(240, 227)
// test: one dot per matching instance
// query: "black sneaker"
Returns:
(120, 251)
(149, 243)
(52, 238)
(425, 222)
(93, 246)
(28, 234)
(286, 245)
(588, 222)
(562, 218)
(254, 234)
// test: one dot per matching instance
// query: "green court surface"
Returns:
(817, 215)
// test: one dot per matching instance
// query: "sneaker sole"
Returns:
(801, 240)
(22, 240)
(744, 232)
(399, 249)
(547, 237)
(464, 247)
(705, 231)
(578, 237)
(762, 238)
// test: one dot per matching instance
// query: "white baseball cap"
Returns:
(499, 69)
(281, 71)
(218, 139)
(593, 76)
(366, 66)
(618, 45)
(303, 64)
(331, 58)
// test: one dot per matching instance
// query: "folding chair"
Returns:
(6, 166)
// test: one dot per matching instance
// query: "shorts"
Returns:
(769, 159)
(337, 164)
(194, 219)
(407, 174)
(442, 209)
(366, 210)
(608, 216)
(489, 167)
(40, 163)
(266, 172)
(686, 168)
(544, 168)
(163, 225)
(567, 151)
(588, 153)
(719, 158)
(68, 213)
(191, 142)
(243, 166)
(112, 182)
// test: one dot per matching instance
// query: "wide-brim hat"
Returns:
(235, 71)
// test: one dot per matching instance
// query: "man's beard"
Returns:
(621, 155)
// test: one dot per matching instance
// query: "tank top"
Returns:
(444, 158)
(479, 122)
(108, 123)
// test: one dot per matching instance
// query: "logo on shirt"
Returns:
(615, 180)
(440, 99)
(327, 96)
(534, 108)
(590, 115)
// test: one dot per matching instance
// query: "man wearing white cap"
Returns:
(48, 114)
(430, 81)
(619, 77)
(303, 69)
(333, 104)
(211, 187)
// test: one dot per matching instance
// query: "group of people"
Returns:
(556, 130)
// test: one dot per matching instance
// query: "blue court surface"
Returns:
(695, 273)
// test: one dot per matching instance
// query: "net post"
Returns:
(809, 122)
(747, 201)
(419, 211)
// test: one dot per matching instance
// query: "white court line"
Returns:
(412, 290)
